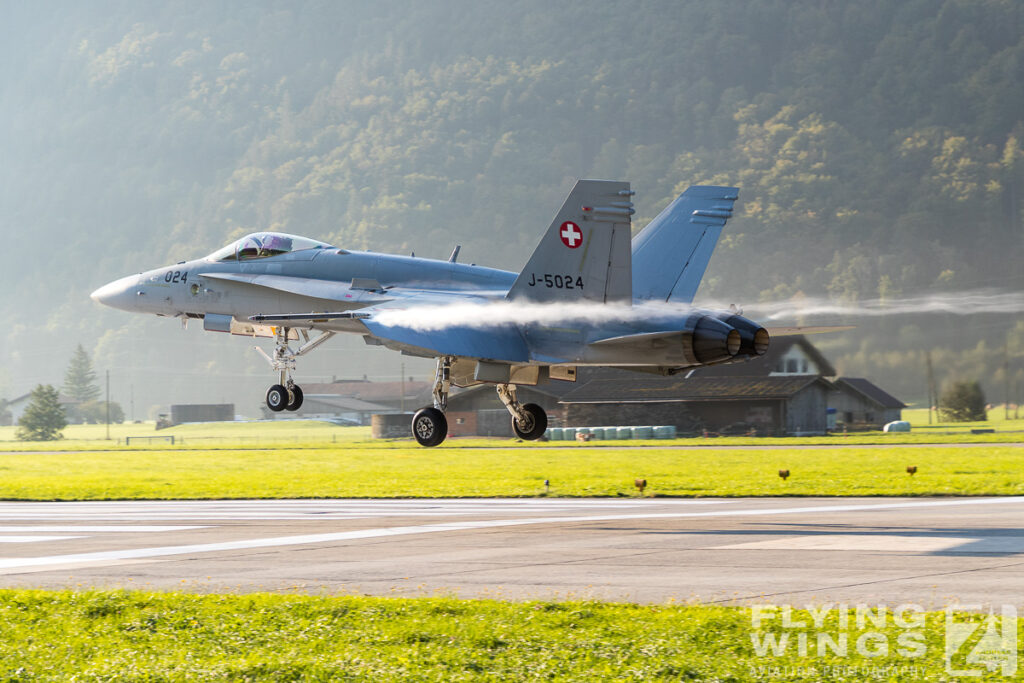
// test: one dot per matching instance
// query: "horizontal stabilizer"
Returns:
(817, 329)
(671, 254)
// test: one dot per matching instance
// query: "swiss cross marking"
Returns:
(571, 234)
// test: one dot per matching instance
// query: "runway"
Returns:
(931, 552)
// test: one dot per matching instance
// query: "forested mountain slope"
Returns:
(879, 147)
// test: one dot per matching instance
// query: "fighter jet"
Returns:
(590, 295)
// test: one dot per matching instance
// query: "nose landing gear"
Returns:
(287, 395)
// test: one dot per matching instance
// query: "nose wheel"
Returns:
(287, 395)
(284, 397)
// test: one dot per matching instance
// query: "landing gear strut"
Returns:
(286, 394)
(529, 421)
(429, 425)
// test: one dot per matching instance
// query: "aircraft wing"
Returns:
(503, 342)
(497, 343)
(818, 329)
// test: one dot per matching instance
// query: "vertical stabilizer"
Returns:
(585, 253)
(671, 254)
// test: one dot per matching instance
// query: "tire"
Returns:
(430, 427)
(277, 398)
(538, 423)
(296, 401)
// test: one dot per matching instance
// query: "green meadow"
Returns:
(120, 635)
(353, 466)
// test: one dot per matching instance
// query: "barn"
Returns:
(727, 405)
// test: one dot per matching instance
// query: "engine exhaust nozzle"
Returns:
(754, 339)
(714, 341)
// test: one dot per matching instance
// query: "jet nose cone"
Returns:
(117, 294)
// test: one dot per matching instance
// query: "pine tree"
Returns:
(44, 417)
(80, 379)
(963, 402)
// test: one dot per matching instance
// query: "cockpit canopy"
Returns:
(264, 244)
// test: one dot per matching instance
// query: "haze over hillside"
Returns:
(879, 148)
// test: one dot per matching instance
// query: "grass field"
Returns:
(59, 636)
(312, 459)
(351, 470)
(317, 434)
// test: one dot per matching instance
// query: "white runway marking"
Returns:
(315, 509)
(34, 539)
(136, 528)
(890, 543)
(95, 558)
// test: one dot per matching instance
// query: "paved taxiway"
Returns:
(932, 552)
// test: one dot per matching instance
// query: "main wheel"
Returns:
(277, 398)
(534, 426)
(296, 401)
(429, 426)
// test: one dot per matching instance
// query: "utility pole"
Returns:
(933, 399)
(108, 405)
(1006, 373)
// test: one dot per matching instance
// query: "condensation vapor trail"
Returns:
(963, 303)
(499, 313)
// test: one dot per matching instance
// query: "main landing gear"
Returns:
(430, 426)
(286, 394)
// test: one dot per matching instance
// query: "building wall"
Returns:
(198, 412)
(462, 422)
(856, 411)
(483, 414)
(795, 362)
(806, 412)
(686, 417)
(629, 415)
(391, 426)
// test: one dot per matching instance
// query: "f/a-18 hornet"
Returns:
(589, 296)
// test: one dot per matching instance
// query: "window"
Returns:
(263, 245)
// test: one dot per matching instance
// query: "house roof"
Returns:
(679, 389)
(369, 391)
(344, 403)
(869, 391)
(62, 399)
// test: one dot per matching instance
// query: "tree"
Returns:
(963, 402)
(44, 418)
(95, 412)
(80, 379)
